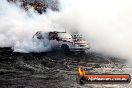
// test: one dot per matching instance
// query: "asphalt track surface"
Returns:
(55, 69)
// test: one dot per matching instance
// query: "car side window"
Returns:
(39, 35)
(53, 36)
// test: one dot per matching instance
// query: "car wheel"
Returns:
(65, 48)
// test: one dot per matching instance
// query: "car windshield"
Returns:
(64, 35)
(77, 36)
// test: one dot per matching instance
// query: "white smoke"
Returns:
(106, 24)
(18, 26)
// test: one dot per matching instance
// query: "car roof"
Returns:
(59, 32)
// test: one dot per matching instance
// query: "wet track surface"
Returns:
(55, 70)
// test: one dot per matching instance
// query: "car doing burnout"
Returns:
(63, 41)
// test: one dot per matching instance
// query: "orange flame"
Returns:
(81, 71)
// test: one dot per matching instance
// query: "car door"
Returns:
(53, 40)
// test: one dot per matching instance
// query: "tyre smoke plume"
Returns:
(106, 24)
(17, 28)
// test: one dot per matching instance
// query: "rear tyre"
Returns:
(65, 48)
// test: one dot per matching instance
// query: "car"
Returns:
(63, 40)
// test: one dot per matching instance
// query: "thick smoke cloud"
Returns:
(18, 26)
(106, 24)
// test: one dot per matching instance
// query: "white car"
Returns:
(63, 40)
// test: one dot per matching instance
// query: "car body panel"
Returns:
(57, 39)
